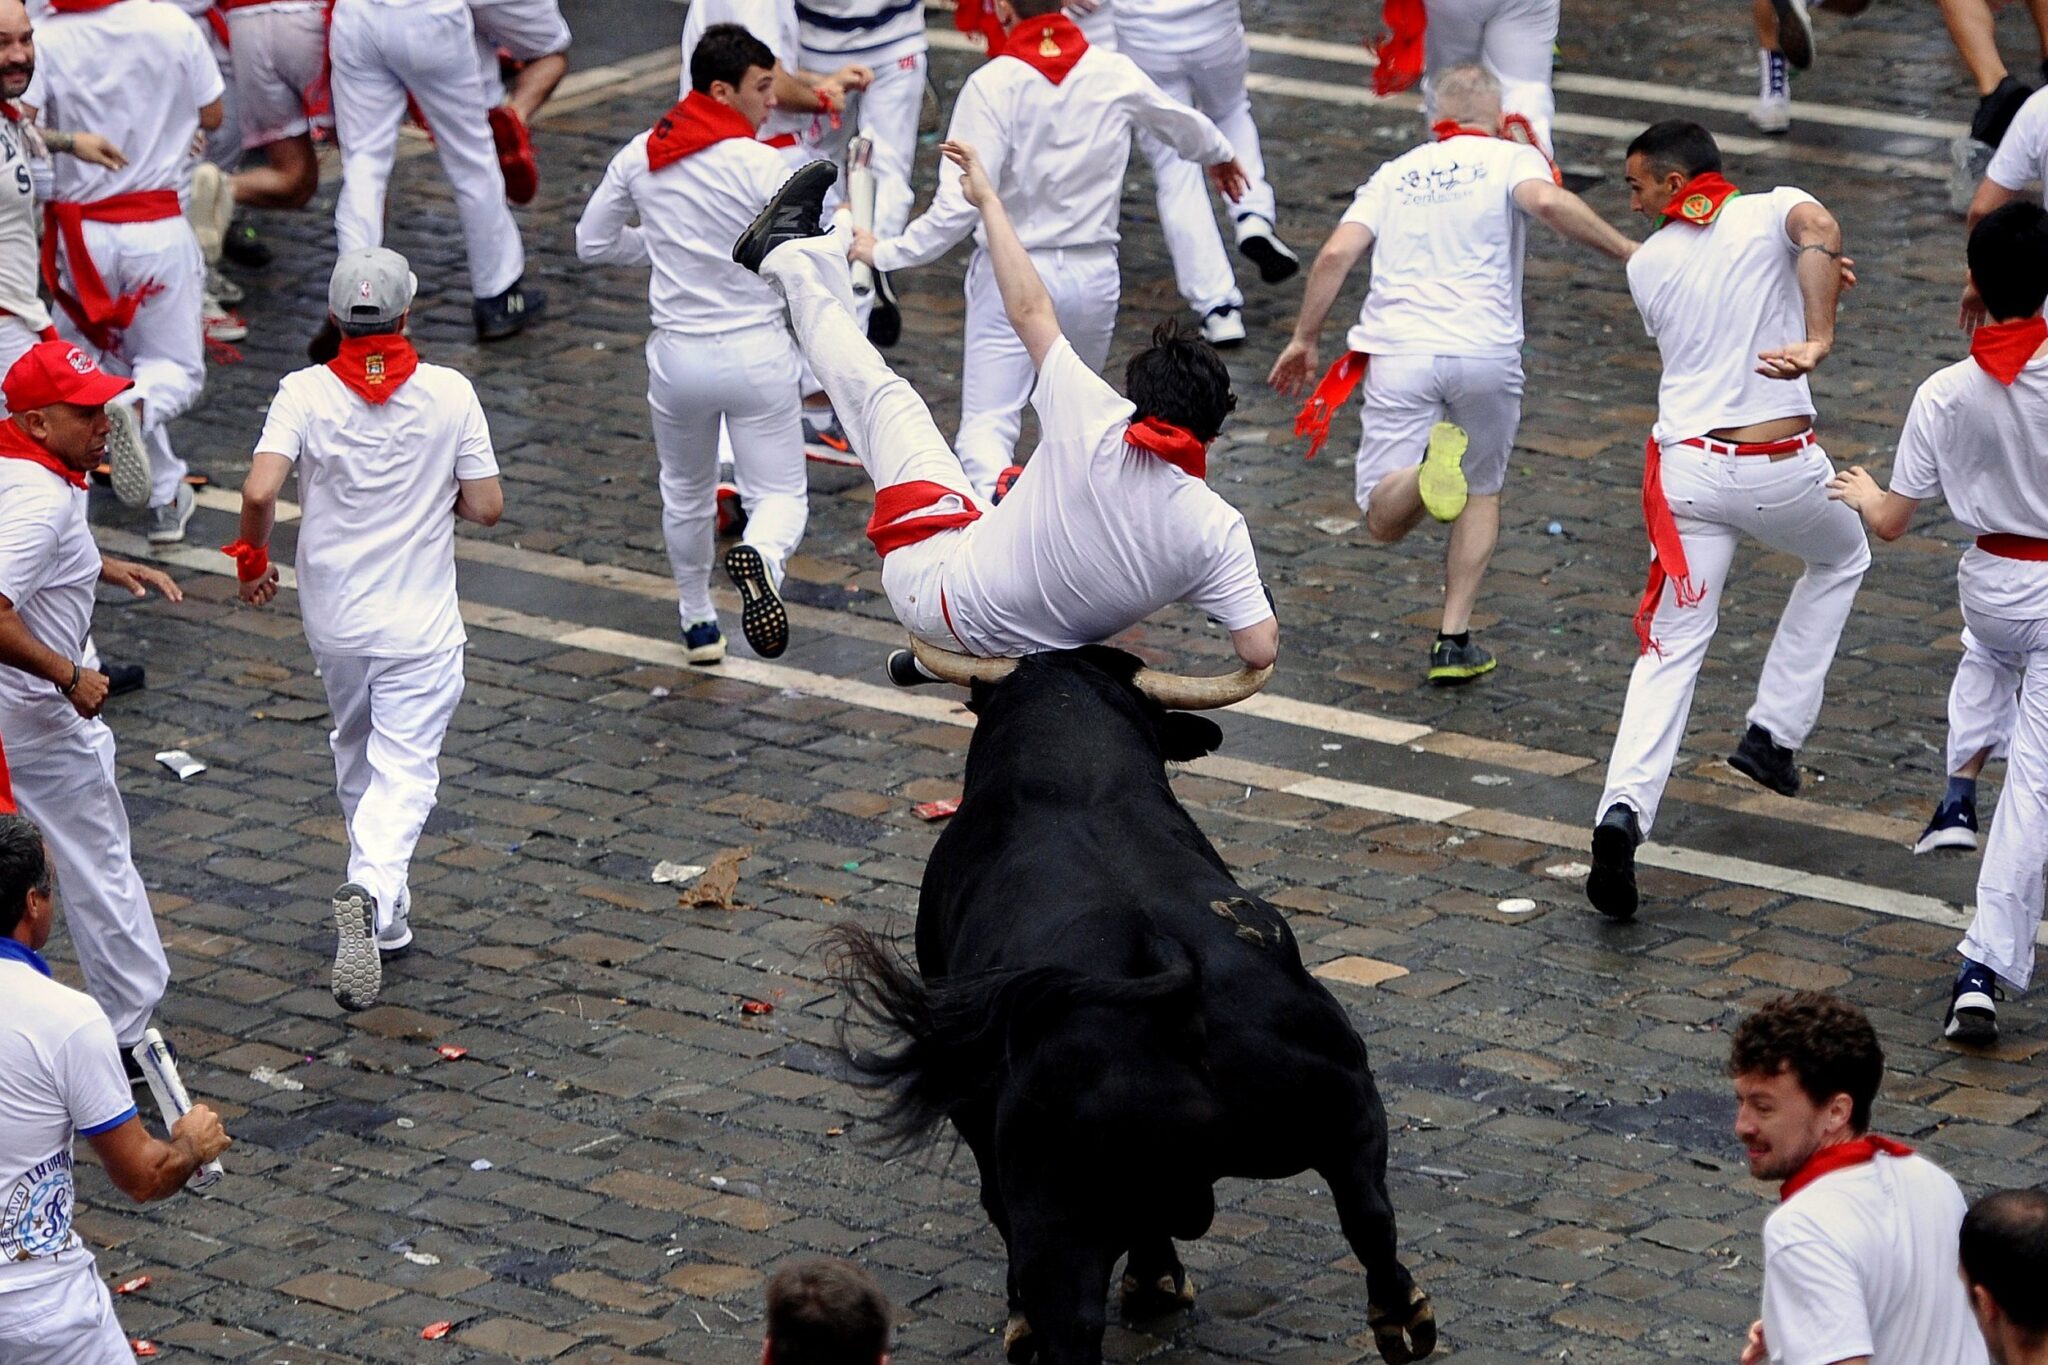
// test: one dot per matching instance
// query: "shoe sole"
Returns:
(1441, 481)
(1795, 34)
(1761, 778)
(127, 458)
(743, 244)
(1275, 265)
(1227, 343)
(703, 656)
(819, 453)
(1772, 128)
(227, 331)
(1611, 885)
(1453, 674)
(1972, 1028)
(515, 156)
(885, 323)
(358, 968)
(762, 619)
(1935, 841)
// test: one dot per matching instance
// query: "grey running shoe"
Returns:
(1968, 159)
(358, 971)
(167, 523)
(127, 456)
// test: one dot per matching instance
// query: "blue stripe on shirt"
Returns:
(110, 1124)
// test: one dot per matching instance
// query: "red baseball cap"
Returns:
(58, 372)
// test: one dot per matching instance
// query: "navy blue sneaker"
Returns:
(704, 642)
(1954, 826)
(1973, 1007)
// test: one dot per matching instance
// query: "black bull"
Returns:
(1111, 1023)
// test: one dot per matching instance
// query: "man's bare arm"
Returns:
(1817, 238)
(1569, 216)
(1334, 263)
(1024, 296)
(1258, 646)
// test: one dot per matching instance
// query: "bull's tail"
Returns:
(954, 1035)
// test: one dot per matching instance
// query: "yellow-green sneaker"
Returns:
(1442, 481)
(1451, 663)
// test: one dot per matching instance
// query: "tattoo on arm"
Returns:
(1821, 247)
(57, 140)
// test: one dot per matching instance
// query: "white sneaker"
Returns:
(223, 288)
(210, 208)
(1223, 328)
(127, 456)
(358, 972)
(220, 324)
(1968, 160)
(167, 523)
(1772, 112)
(395, 940)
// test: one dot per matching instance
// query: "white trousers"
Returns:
(746, 379)
(1514, 39)
(67, 1321)
(889, 112)
(1716, 500)
(2009, 884)
(164, 349)
(1406, 395)
(66, 785)
(1983, 701)
(1211, 79)
(382, 53)
(390, 716)
(996, 373)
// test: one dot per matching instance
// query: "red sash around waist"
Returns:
(98, 316)
(2006, 545)
(897, 521)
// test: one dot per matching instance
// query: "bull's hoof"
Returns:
(1018, 1343)
(1407, 1338)
(1158, 1298)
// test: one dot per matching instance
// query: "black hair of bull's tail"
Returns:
(953, 1036)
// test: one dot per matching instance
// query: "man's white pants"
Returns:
(66, 785)
(66, 1321)
(889, 112)
(746, 379)
(164, 349)
(2009, 884)
(1514, 39)
(1716, 500)
(1983, 701)
(381, 53)
(390, 716)
(1211, 79)
(996, 373)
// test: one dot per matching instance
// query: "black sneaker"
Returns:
(885, 320)
(510, 313)
(1973, 1007)
(1611, 885)
(1763, 760)
(762, 619)
(905, 671)
(1451, 663)
(1258, 243)
(244, 247)
(1995, 111)
(1795, 32)
(125, 678)
(326, 343)
(791, 214)
(1954, 826)
(732, 511)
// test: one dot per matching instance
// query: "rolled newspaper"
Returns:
(153, 1055)
(860, 200)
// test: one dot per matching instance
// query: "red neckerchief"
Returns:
(16, 444)
(1400, 49)
(9, 112)
(1699, 200)
(1175, 445)
(376, 367)
(1049, 45)
(979, 16)
(1840, 1157)
(694, 124)
(1332, 392)
(2002, 349)
(1445, 129)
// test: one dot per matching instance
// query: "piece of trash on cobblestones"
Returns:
(756, 1007)
(434, 1331)
(1568, 871)
(421, 1257)
(1556, 528)
(142, 1348)
(480, 1164)
(452, 1052)
(714, 890)
(717, 1182)
(1442, 1172)
(935, 810)
(1332, 748)
(1492, 779)
(851, 865)
(835, 1132)
(1516, 905)
(139, 1283)
(276, 1080)
(675, 872)
(405, 1123)
(1335, 526)
(181, 763)
(657, 692)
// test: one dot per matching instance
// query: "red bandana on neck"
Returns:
(1446, 129)
(375, 367)
(2004, 348)
(1175, 445)
(1699, 200)
(1840, 1157)
(16, 444)
(1400, 50)
(692, 126)
(1049, 45)
(9, 112)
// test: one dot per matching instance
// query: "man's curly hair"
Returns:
(1827, 1044)
(1180, 379)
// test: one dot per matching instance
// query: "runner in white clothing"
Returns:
(535, 37)
(719, 351)
(1739, 292)
(1116, 520)
(389, 452)
(1439, 339)
(1977, 437)
(282, 97)
(1051, 117)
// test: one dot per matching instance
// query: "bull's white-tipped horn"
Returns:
(1178, 692)
(963, 669)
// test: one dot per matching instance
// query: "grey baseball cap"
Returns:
(370, 285)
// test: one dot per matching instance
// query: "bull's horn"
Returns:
(1178, 692)
(963, 669)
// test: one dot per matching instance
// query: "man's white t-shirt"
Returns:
(1715, 298)
(2022, 155)
(48, 567)
(19, 261)
(377, 486)
(1447, 249)
(1862, 1262)
(137, 73)
(1097, 535)
(60, 1074)
(858, 30)
(1982, 447)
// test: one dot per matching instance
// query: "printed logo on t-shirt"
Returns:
(1438, 184)
(37, 1217)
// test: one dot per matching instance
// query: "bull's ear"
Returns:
(978, 693)
(1184, 737)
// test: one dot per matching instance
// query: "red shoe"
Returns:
(732, 513)
(515, 155)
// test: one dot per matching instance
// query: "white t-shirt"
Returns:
(60, 1073)
(137, 73)
(691, 212)
(1097, 535)
(1447, 249)
(48, 566)
(1716, 297)
(1982, 447)
(2022, 155)
(1176, 25)
(377, 486)
(1862, 1262)
(19, 261)
(850, 30)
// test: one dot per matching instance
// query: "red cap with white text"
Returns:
(58, 372)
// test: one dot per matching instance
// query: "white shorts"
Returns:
(280, 71)
(1406, 395)
(528, 29)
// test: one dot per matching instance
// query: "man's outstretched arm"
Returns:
(1024, 297)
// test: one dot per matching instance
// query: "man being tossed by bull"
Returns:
(1113, 519)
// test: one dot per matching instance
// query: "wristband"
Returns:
(251, 561)
(68, 688)
(829, 108)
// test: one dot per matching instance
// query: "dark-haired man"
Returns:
(1739, 292)
(825, 1312)
(719, 352)
(2004, 1248)
(1977, 437)
(1859, 1258)
(1114, 520)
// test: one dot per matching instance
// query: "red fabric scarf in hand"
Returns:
(694, 124)
(16, 444)
(979, 16)
(1400, 49)
(2002, 349)
(376, 367)
(1049, 45)
(1699, 201)
(1175, 445)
